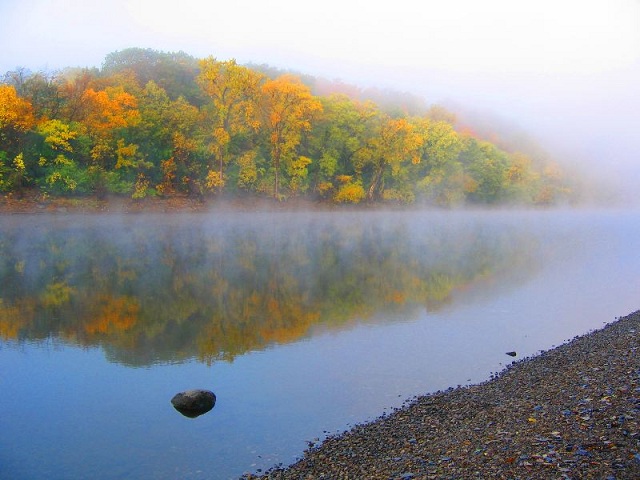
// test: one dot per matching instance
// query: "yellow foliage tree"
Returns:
(351, 192)
(58, 135)
(287, 110)
(394, 143)
(234, 91)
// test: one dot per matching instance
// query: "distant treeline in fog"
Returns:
(152, 123)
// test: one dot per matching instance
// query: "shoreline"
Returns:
(35, 204)
(572, 412)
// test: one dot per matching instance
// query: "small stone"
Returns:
(193, 403)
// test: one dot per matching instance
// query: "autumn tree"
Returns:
(106, 112)
(41, 89)
(234, 93)
(16, 118)
(71, 89)
(394, 143)
(439, 175)
(16, 114)
(288, 108)
(153, 122)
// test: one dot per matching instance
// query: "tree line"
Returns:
(151, 123)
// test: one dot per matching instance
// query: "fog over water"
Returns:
(302, 324)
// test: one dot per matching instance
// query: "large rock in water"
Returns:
(194, 403)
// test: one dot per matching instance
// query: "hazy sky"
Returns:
(566, 70)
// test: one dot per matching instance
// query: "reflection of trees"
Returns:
(172, 289)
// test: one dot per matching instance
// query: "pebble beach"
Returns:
(568, 413)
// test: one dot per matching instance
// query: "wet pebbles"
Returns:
(569, 413)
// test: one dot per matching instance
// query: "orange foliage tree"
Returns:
(287, 110)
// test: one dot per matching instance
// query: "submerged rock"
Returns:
(194, 403)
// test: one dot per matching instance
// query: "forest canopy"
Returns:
(158, 124)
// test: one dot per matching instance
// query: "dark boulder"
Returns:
(194, 403)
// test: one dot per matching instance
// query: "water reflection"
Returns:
(168, 288)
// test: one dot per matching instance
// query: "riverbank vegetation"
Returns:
(157, 124)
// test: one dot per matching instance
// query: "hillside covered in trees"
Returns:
(152, 123)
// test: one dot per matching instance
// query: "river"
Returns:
(302, 323)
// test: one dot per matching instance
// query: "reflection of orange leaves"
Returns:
(13, 318)
(397, 297)
(9, 330)
(116, 315)
(251, 306)
(273, 307)
(298, 320)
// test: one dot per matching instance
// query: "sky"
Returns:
(566, 71)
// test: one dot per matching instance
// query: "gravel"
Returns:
(568, 413)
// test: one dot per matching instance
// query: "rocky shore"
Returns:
(569, 413)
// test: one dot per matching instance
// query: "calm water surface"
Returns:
(302, 324)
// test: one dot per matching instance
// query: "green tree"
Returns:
(487, 165)
(174, 72)
(338, 133)
(439, 175)
(62, 174)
